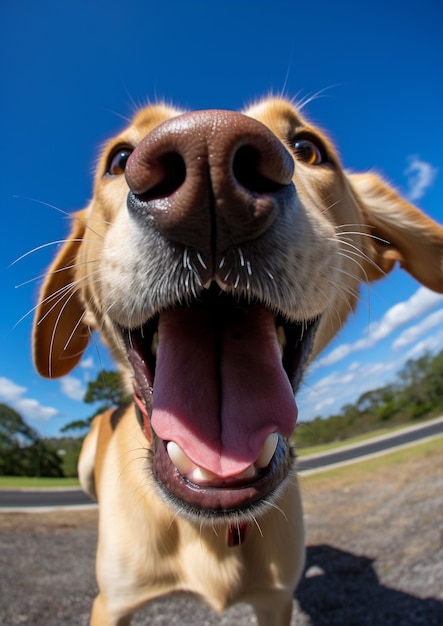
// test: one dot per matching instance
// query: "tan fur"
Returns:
(349, 229)
(164, 553)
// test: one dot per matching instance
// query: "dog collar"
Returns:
(237, 534)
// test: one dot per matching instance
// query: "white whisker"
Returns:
(58, 242)
(68, 341)
(202, 263)
(257, 524)
(61, 269)
(274, 506)
(242, 258)
(54, 332)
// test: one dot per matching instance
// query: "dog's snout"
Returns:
(210, 180)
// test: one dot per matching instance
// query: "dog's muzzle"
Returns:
(216, 371)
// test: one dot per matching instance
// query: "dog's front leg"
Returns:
(102, 616)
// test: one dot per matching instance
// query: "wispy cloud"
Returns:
(73, 388)
(422, 301)
(332, 392)
(421, 176)
(397, 316)
(32, 409)
(10, 391)
(13, 395)
(87, 363)
(411, 334)
(431, 344)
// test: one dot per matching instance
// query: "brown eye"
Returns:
(308, 151)
(118, 159)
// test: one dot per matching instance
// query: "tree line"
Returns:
(23, 452)
(417, 392)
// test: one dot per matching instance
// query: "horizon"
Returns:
(369, 75)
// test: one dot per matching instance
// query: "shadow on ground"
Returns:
(342, 588)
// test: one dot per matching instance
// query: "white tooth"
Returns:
(249, 472)
(281, 336)
(201, 476)
(267, 452)
(180, 460)
(154, 344)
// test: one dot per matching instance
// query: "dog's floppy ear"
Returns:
(401, 233)
(59, 334)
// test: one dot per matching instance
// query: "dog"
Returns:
(220, 253)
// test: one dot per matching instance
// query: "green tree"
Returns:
(22, 451)
(105, 389)
(68, 449)
(13, 428)
(417, 392)
(422, 382)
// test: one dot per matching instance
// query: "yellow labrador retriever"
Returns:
(219, 254)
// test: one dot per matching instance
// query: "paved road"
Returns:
(372, 447)
(41, 499)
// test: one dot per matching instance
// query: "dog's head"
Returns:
(219, 254)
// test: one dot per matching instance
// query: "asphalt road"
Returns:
(41, 499)
(371, 447)
(53, 498)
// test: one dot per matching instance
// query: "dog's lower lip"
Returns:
(202, 477)
(220, 500)
(208, 494)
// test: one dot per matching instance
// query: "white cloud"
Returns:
(354, 366)
(421, 175)
(329, 394)
(12, 394)
(73, 388)
(323, 404)
(337, 354)
(430, 344)
(32, 409)
(9, 391)
(87, 363)
(398, 315)
(412, 333)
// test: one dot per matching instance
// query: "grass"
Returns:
(24, 482)
(27, 482)
(349, 473)
(326, 447)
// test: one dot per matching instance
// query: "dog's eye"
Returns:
(117, 160)
(308, 151)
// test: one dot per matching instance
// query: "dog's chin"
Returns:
(229, 500)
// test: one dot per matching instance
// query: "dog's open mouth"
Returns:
(217, 379)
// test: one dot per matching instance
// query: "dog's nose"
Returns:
(210, 180)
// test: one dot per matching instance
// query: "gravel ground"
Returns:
(375, 555)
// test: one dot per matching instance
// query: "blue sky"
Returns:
(71, 71)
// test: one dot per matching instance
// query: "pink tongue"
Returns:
(219, 400)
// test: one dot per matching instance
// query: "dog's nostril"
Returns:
(171, 174)
(246, 171)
